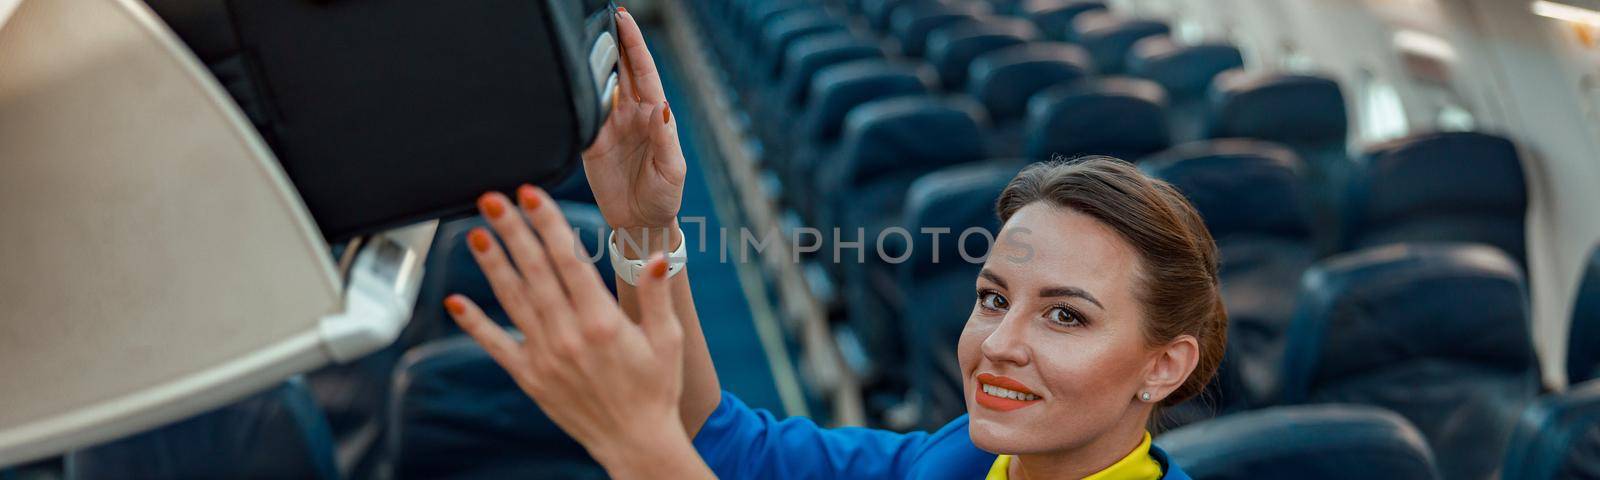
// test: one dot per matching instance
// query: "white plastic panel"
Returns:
(155, 262)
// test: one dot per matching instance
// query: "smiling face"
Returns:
(1055, 353)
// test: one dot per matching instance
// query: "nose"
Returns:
(1007, 342)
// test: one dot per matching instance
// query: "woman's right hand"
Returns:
(635, 165)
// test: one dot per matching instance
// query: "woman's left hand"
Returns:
(611, 383)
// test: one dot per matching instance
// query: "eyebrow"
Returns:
(1047, 292)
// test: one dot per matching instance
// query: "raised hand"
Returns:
(612, 384)
(635, 165)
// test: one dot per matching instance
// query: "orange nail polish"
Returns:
(622, 9)
(529, 196)
(491, 206)
(666, 113)
(455, 305)
(478, 239)
(659, 269)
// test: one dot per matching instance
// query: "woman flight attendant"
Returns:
(1098, 306)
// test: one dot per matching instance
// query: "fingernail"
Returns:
(478, 239)
(621, 9)
(491, 206)
(666, 113)
(659, 268)
(529, 196)
(455, 305)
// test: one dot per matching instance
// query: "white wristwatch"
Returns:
(629, 269)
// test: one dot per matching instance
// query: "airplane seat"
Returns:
(1118, 116)
(807, 56)
(952, 49)
(879, 13)
(1186, 72)
(910, 25)
(937, 283)
(1583, 340)
(1004, 79)
(1400, 194)
(750, 24)
(1248, 192)
(1437, 332)
(1109, 38)
(1054, 17)
(888, 145)
(1558, 437)
(456, 414)
(277, 433)
(1309, 442)
(835, 91)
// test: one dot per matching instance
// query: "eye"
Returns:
(993, 301)
(1065, 317)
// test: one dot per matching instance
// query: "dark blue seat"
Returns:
(1583, 339)
(1249, 193)
(1439, 333)
(1558, 437)
(811, 54)
(1186, 72)
(911, 24)
(787, 28)
(458, 415)
(1003, 80)
(888, 145)
(1109, 38)
(951, 49)
(1456, 186)
(277, 433)
(835, 91)
(1054, 17)
(1310, 442)
(1119, 116)
(936, 281)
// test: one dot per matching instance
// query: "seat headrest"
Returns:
(1440, 174)
(1583, 340)
(1557, 437)
(1109, 38)
(1408, 303)
(957, 198)
(784, 31)
(810, 54)
(952, 48)
(1117, 116)
(758, 16)
(1239, 186)
(909, 135)
(1004, 79)
(912, 24)
(1184, 70)
(840, 87)
(1292, 109)
(1311, 442)
(1054, 17)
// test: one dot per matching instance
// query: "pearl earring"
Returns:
(1144, 396)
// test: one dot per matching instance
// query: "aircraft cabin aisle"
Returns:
(239, 236)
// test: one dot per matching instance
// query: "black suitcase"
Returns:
(386, 112)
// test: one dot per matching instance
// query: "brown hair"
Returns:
(1178, 259)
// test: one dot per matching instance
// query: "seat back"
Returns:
(278, 433)
(1401, 196)
(1583, 339)
(951, 49)
(1304, 112)
(838, 88)
(904, 138)
(784, 30)
(1558, 437)
(1054, 17)
(1310, 442)
(1109, 38)
(1436, 332)
(811, 54)
(1004, 79)
(911, 24)
(938, 279)
(1121, 117)
(456, 414)
(1186, 71)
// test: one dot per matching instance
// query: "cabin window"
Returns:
(1382, 115)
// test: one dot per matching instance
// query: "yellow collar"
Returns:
(1137, 465)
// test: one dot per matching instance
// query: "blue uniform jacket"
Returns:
(740, 442)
